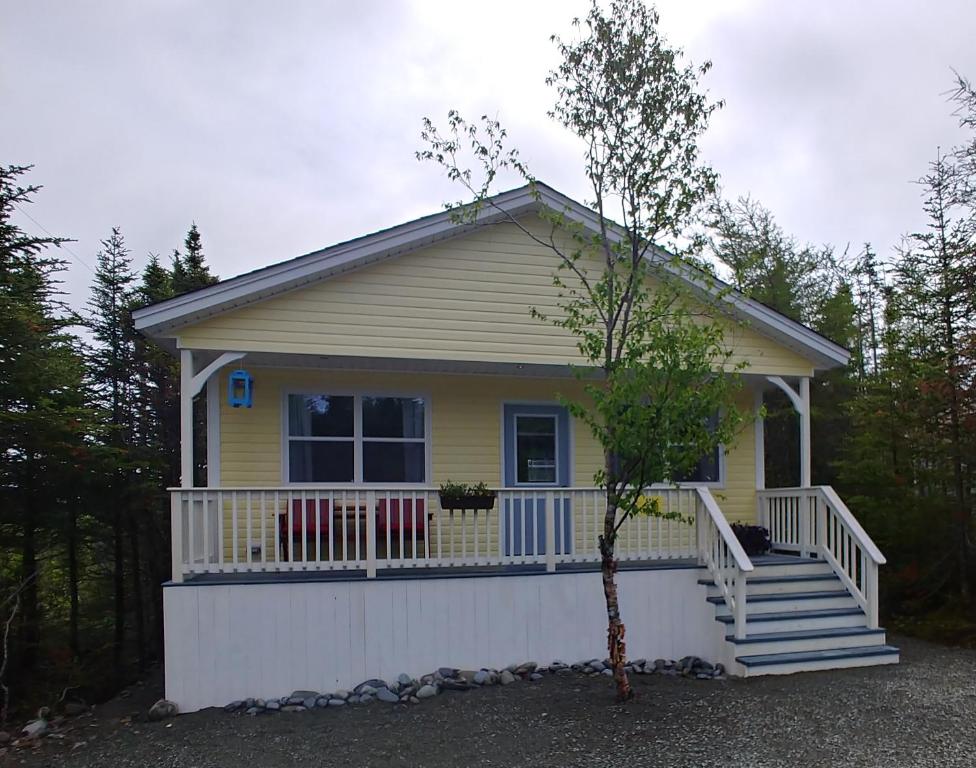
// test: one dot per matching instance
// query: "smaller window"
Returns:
(535, 450)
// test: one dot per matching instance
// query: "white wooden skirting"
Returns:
(226, 642)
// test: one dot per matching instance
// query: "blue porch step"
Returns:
(807, 657)
(785, 596)
(799, 579)
(824, 613)
(811, 634)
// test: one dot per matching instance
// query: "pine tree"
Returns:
(112, 367)
(43, 419)
(937, 281)
(190, 270)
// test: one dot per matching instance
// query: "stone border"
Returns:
(408, 690)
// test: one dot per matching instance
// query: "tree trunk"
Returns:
(118, 580)
(73, 611)
(616, 647)
(140, 616)
(30, 615)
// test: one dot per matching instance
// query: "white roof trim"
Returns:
(164, 318)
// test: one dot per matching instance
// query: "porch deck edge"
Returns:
(411, 574)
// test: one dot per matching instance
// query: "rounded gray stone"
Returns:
(426, 692)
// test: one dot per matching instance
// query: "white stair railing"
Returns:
(815, 521)
(727, 562)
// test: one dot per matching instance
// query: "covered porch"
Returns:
(333, 466)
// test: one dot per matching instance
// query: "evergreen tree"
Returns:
(112, 368)
(43, 419)
(190, 270)
(937, 283)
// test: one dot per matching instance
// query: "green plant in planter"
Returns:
(464, 496)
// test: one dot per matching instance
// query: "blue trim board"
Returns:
(834, 654)
(805, 634)
(411, 574)
(824, 614)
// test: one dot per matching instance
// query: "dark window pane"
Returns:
(393, 417)
(394, 462)
(705, 472)
(320, 416)
(535, 438)
(320, 461)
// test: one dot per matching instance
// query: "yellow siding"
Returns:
(466, 416)
(464, 299)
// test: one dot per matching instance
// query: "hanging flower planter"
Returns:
(455, 496)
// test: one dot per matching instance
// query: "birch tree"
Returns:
(657, 374)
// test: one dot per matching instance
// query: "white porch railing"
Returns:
(815, 521)
(723, 555)
(289, 528)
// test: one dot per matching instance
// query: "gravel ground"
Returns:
(920, 713)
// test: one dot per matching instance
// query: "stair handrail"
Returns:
(867, 543)
(816, 521)
(721, 552)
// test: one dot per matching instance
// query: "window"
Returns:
(535, 450)
(707, 470)
(354, 438)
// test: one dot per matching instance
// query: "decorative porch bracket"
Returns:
(191, 385)
(801, 403)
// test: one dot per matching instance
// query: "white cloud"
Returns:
(281, 128)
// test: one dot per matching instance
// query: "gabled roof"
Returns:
(165, 318)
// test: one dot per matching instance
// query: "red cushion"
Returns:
(325, 516)
(412, 520)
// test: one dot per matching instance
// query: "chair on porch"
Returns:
(412, 518)
(289, 539)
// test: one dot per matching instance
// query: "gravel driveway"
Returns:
(921, 713)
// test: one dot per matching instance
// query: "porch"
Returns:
(231, 535)
(322, 518)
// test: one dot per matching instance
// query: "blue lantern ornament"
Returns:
(240, 389)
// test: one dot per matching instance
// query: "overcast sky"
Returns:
(283, 127)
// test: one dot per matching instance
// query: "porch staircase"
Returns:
(799, 618)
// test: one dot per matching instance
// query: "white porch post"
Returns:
(186, 418)
(805, 461)
(760, 455)
(801, 403)
(190, 386)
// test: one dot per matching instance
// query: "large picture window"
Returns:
(356, 438)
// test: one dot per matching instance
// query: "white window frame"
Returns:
(357, 437)
(556, 436)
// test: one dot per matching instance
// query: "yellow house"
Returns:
(345, 386)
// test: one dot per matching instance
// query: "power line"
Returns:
(62, 245)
